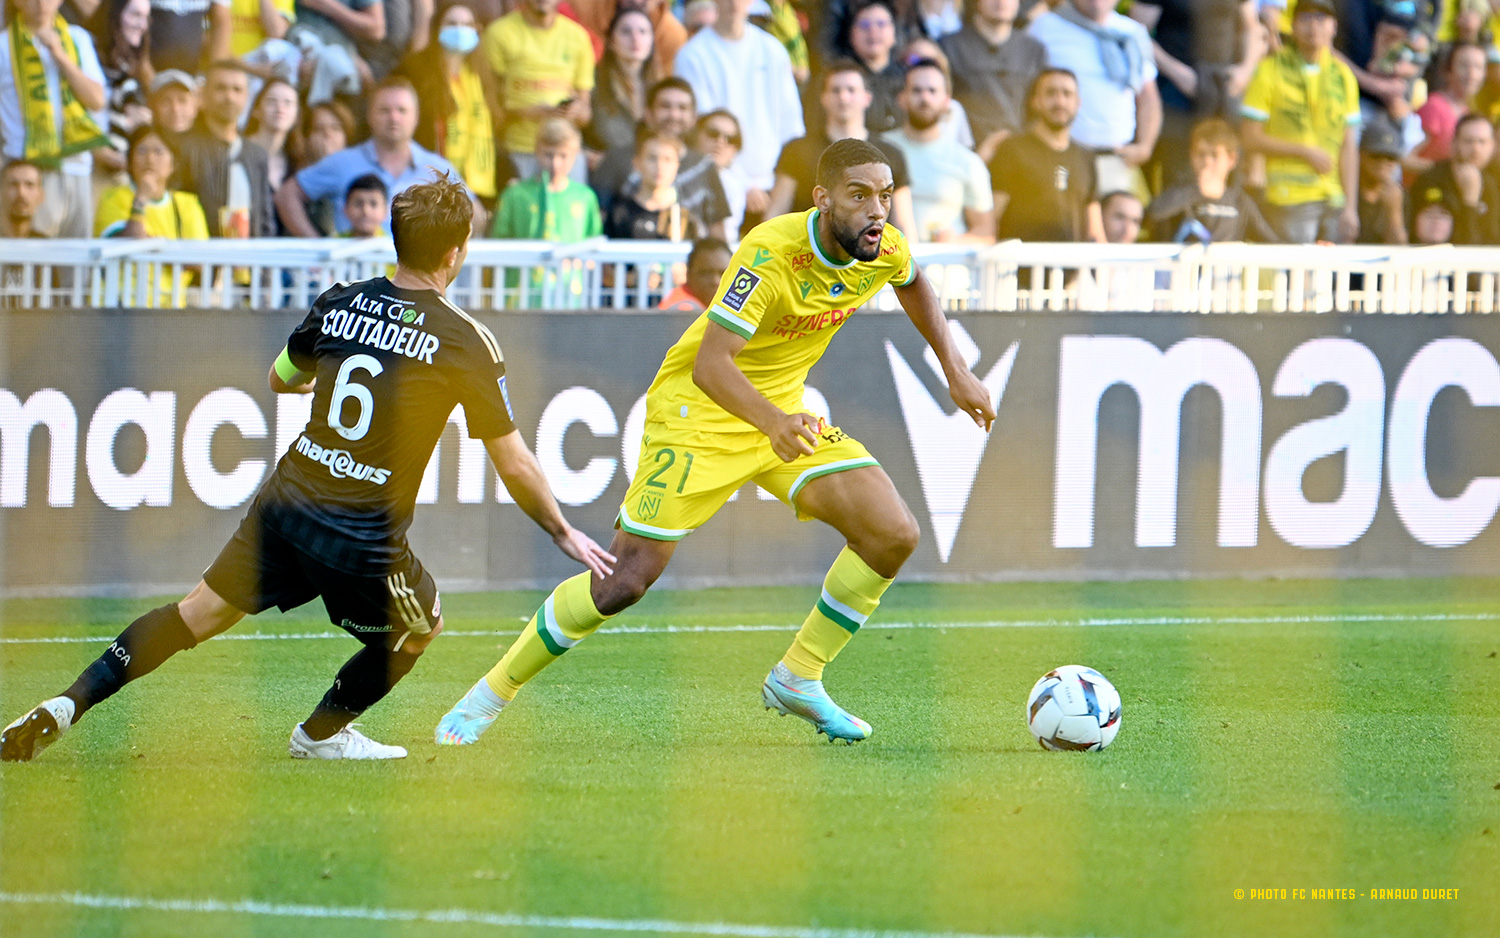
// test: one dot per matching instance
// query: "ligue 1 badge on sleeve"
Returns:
(505, 396)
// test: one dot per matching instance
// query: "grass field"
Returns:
(1277, 735)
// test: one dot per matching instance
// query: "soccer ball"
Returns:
(1073, 708)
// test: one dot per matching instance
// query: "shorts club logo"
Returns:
(739, 291)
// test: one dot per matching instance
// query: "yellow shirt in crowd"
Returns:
(537, 66)
(1311, 103)
(245, 31)
(470, 141)
(175, 216)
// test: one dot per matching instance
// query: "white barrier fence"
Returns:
(600, 273)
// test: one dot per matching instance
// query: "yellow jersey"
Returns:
(245, 30)
(537, 66)
(782, 294)
(1312, 103)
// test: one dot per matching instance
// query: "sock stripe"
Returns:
(837, 618)
(552, 634)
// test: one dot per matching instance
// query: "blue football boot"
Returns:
(787, 693)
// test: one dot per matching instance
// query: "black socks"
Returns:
(361, 682)
(144, 645)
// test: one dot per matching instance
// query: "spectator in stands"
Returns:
(783, 23)
(51, 111)
(148, 207)
(717, 136)
(698, 15)
(1043, 181)
(744, 70)
(872, 39)
(845, 100)
(833, 19)
(390, 153)
(367, 205)
(993, 65)
(20, 197)
(1119, 111)
(950, 187)
(955, 121)
(1302, 112)
(670, 110)
(174, 103)
(1463, 75)
(404, 20)
(1432, 219)
(1205, 52)
(624, 74)
(652, 211)
(180, 33)
(668, 31)
(1122, 214)
(544, 68)
(1469, 193)
(253, 22)
(455, 120)
(706, 264)
(273, 117)
(550, 206)
(941, 18)
(325, 25)
(1210, 209)
(1382, 199)
(119, 28)
(325, 128)
(228, 174)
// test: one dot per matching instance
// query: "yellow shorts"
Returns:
(685, 475)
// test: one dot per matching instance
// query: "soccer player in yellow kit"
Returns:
(726, 409)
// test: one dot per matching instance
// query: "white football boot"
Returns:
(347, 743)
(37, 728)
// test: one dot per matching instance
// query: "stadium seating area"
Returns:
(1343, 121)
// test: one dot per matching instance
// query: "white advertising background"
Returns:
(1127, 445)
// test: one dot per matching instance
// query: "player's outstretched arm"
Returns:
(286, 379)
(926, 313)
(527, 484)
(716, 374)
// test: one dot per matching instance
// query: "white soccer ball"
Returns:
(1073, 708)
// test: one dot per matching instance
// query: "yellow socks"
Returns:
(565, 619)
(851, 593)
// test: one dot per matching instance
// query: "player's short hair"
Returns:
(844, 67)
(705, 246)
(842, 154)
(369, 182)
(667, 84)
(1215, 132)
(429, 220)
(556, 132)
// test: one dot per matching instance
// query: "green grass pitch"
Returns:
(1340, 735)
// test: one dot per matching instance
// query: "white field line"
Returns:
(458, 916)
(1329, 618)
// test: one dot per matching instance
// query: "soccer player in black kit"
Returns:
(386, 360)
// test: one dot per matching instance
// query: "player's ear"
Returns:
(822, 198)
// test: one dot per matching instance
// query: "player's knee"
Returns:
(620, 591)
(903, 535)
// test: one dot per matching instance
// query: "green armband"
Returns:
(288, 372)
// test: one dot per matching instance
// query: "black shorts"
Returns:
(259, 569)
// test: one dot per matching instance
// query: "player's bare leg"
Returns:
(569, 615)
(136, 652)
(863, 505)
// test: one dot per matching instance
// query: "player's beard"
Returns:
(851, 239)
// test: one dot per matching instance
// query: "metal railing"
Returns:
(600, 274)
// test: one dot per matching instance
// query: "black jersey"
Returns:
(391, 363)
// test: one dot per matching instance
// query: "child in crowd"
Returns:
(550, 206)
(652, 211)
(1211, 208)
(367, 203)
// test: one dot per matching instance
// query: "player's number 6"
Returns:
(345, 389)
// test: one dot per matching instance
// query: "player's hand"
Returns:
(582, 548)
(794, 435)
(973, 398)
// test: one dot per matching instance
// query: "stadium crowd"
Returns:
(1052, 120)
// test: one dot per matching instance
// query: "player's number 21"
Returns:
(345, 389)
(671, 457)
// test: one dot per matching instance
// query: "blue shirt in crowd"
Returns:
(330, 177)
